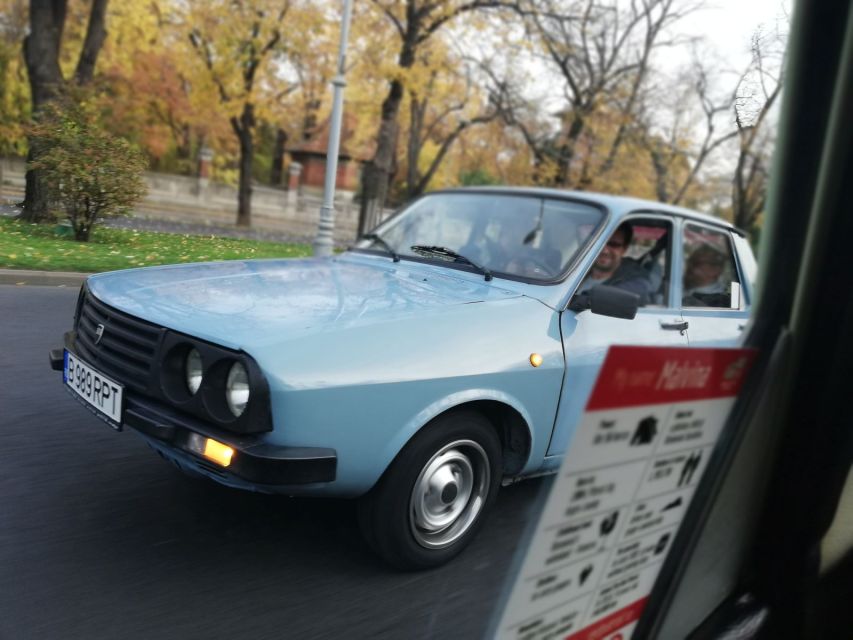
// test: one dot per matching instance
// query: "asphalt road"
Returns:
(99, 538)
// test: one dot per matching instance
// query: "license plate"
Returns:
(98, 391)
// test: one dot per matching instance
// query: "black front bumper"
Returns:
(254, 461)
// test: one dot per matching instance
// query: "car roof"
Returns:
(619, 206)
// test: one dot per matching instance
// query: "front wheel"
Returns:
(432, 499)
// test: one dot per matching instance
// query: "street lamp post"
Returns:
(323, 243)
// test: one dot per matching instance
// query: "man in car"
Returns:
(613, 269)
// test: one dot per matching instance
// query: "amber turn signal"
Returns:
(217, 452)
(535, 359)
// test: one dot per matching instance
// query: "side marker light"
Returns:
(535, 359)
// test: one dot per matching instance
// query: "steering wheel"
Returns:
(528, 266)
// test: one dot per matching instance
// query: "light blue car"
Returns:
(449, 351)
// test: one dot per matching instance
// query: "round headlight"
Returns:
(192, 370)
(237, 389)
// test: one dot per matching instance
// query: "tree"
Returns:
(442, 106)
(601, 51)
(235, 40)
(668, 131)
(90, 172)
(42, 55)
(757, 93)
(298, 106)
(14, 96)
(143, 68)
(415, 22)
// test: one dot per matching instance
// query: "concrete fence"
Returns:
(199, 200)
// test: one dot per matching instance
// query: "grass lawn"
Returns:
(33, 246)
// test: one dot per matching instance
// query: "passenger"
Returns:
(509, 252)
(703, 283)
(611, 268)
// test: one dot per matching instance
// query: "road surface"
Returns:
(100, 538)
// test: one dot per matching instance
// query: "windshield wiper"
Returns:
(376, 237)
(429, 250)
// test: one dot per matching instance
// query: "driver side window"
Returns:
(636, 258)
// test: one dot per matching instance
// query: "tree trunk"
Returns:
(244, 128)
(661, 173)
(96, 33)
(41, 54)
(183, 142)
(413, 149)
(276, 171)
(377, 172)
(567, 151)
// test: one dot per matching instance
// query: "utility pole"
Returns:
(323, 243)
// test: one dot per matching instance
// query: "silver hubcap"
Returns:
(449, 494)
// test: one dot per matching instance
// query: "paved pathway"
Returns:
(191, 227)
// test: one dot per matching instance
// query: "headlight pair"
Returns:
(236, 382)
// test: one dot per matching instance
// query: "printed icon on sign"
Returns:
(733, 374)
(735, 369)
(646, 431)
(661, 545)
(608, 524)
(689, 468)
(584, 574)
(672, 505)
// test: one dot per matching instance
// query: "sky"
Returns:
(728, 25)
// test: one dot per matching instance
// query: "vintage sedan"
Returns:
(448, 351)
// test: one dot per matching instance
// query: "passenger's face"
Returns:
(611, 255)
(702, 271)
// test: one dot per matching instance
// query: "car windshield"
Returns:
(517, 236)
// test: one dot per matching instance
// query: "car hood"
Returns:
(251, 303)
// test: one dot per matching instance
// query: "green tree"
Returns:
(235, 43)
(89, 172)
(42, 52)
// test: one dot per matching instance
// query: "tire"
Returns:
(432, 499)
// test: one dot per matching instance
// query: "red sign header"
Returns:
(615, 621)
(633, 376)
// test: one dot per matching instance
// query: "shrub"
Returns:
(477, 177)
(90, 173)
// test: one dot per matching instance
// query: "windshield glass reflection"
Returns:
(521, 236)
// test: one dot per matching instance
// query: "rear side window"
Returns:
(710, 277)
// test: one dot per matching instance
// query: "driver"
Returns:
(613, 269)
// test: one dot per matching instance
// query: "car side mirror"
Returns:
(607, 301)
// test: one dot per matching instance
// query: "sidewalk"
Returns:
(277, 220)
(23, 277)
(169, 221)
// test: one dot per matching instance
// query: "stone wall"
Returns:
(198, 200)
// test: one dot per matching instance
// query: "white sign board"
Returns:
(640, 450)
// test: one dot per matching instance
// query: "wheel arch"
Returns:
(505, 413)
(512, 429)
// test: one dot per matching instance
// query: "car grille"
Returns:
(127, 348)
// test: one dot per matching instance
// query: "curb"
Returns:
(42, 278)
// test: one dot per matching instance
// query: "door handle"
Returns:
(674, 326)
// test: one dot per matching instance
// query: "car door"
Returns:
(586, 337)
(713, 291)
